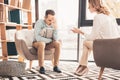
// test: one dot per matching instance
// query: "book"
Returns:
(6, 1)
(15, 16)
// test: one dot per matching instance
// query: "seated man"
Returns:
(46, 38)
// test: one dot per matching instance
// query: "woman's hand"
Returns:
(76, 30)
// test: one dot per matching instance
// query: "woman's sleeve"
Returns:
(95, 33)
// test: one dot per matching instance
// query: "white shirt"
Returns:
(104, 27)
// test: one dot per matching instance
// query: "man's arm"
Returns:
(55, 31)
(37, 31)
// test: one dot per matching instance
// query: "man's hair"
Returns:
(49, 11)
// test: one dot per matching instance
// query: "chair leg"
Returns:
(20, 59)
(53, 62)
(30, 64)
(100, 73)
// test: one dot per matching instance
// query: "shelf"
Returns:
(25, 25)
(6, 41)
(14, 14)
(11, 24)
(1, 3)
(26, 10)
(14, 7)
(2, 22)
(3, 40)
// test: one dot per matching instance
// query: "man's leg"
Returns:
(57, 46)
(40, 46)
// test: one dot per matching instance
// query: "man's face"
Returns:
(49, 19)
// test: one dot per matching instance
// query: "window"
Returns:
(67, 17)
(33, 10)
(85, 17)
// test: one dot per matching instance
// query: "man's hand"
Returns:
(55, 24)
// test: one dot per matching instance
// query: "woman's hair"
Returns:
(98, 6)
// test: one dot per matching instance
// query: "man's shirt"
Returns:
(44, 33)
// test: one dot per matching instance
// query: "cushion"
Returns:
(47, 52)
(33, 51)
(12, 68)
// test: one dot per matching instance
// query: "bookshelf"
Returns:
(14, 14)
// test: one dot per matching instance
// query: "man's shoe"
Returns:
(56, 69)
(42, 70)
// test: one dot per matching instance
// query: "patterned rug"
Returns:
(67, 74)
(33, 74)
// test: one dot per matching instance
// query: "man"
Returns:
(44, 40)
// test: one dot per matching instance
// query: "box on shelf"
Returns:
(1, 13)
(10, 33)
(14, 3)
(20, 3)
(1, 1)
(24, 6)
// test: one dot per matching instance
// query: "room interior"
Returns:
(15, 15)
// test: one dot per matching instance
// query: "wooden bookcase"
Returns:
(13, 14)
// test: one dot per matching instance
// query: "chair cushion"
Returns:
(33, 50)
(12, 68)
(47, 52)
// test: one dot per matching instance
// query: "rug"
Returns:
(33, 74)
(67, 74)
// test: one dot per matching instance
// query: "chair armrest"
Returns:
(107, 52)
(28, 55)
(22, 49)
(18, 46)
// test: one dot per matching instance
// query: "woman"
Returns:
(104, 27)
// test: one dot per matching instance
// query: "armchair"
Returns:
(23, 42)
(107, 54)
